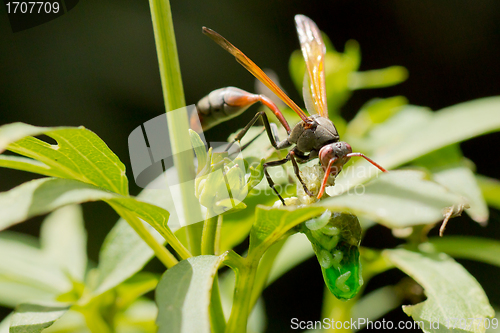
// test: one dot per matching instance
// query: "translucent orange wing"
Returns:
(254, 69)
(313, 50)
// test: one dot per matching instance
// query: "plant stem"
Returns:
(173, 94)
(209, 234)
(245, 278)
(217, 319)
(338, 310)
(265, 266)
(160, 251)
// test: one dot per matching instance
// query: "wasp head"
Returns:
(337, 153)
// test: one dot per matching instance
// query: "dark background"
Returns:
(96, 66)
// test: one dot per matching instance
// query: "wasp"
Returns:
(315, 136)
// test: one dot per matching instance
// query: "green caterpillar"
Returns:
(335, 239)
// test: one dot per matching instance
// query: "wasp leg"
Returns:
(278, 145)
(268, 177)
(296, 169)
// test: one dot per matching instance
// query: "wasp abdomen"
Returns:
(221, 105)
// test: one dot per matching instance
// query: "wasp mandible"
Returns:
(314, 136)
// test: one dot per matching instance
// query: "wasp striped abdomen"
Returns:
(223, 104)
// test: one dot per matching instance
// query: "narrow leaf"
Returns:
(425, 134)
(41, 196)
(473, 248)
(461, 180)
(5, 324)
(124, 253)
(272, 223)
(452, 293)
(29, 165)
(63, 237)
(44, 195)
(34, 318)
(396, 199)
(26, 273)
(491, 190)
(183, 295)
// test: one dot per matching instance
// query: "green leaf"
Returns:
(27, 273)
(374, 112)
(451, 170)
(63, 238)
(183, 295)
(29, 165)
(199, 149)
(296, 250)
(422, 135)
(452, 293)
(396, 199)
(123, 252)
(80, 154)
(5, 324)
(41, 196)
(447, 126)
(272, 223)
(376, 303)
(236, 227)
(44, 195)
(490, 188)
(33, 318)
(16, 131)
(473, 248)
(378, 78)
(461, 180)
(134, 287)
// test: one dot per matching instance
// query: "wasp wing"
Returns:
(254, 69)
(313, 50)
(307, 94)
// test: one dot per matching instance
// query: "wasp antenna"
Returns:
(368, 159)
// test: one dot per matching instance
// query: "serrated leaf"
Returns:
(63, 237)
(80, 154)
(453, 295)
(183, 295)
(34, 318)
(424, 135)
(474, 248)
(396, 199)
(272, 223)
